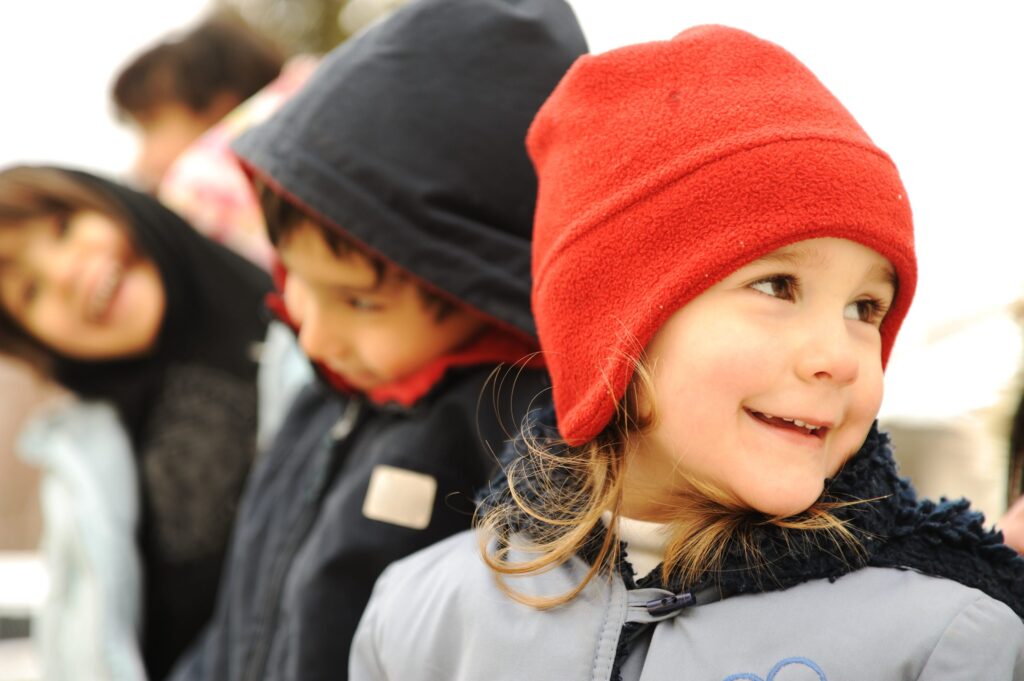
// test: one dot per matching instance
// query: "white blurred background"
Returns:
(936, 84)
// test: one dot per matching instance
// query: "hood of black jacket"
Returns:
(411, 138)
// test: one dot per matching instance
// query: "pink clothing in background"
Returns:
(208, 188)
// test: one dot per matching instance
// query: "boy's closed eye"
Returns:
(363, 304)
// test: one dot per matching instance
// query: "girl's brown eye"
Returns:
(29, 293)
(870, 310)
(781, 286)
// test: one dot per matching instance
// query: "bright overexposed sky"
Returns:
(935, 83)
(58, 58)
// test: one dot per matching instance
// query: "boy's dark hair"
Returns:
(220, 55)
(282, 218)
(28, 192)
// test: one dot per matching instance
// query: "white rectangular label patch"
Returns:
(400, 497)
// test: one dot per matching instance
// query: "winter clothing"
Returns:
(734, 150)
(412, 133)
(91, 622)
(408, 139)
(189, 410)
(932, 597)
(663, 168)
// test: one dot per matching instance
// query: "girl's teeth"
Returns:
(796, 422)
(101, 299)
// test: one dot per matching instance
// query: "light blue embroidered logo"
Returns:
(798, 667)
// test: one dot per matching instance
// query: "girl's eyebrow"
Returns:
(885, 274)
(790, 255)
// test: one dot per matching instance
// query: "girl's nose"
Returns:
(829, 354)
(56, 268)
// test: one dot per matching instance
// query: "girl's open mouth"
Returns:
(795, 425)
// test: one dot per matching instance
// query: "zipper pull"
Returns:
(346, 423)
(659, 607)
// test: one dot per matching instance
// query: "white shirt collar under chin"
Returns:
(645, 542)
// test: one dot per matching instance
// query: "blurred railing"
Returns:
(23, 587)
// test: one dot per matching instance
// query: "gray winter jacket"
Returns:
(440, 615)
(930, 594)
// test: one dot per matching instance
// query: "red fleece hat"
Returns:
(666, 166)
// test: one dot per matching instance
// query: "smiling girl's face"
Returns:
(76, 283)
(767, 382)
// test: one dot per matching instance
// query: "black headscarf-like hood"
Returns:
(213, 316)
(439, 185)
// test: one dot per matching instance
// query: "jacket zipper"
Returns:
(341, 430)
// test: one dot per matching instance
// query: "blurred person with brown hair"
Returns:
(205, 184)
(155, 330)
(1012, 522)
(177, 89)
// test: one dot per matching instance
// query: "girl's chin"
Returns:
(791, 505)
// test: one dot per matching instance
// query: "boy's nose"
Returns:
(304, 312)
(828, 354)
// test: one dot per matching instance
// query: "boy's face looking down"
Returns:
(370, 328)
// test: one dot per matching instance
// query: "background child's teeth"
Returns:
(798, 422)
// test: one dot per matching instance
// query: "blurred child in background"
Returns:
(156, 330)
(399, 196)
(175, 90)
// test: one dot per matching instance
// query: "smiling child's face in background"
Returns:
(76, 283)
(767, 382)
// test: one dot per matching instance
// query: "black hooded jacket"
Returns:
(409, 139)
